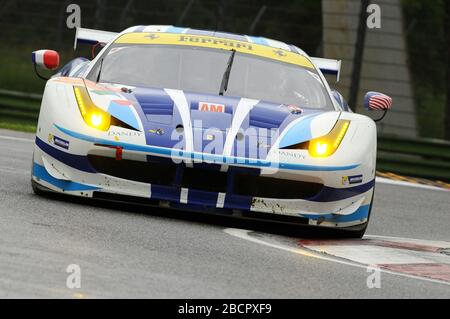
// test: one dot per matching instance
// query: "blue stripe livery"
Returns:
(301, 132)
(360, 214)
(123, 113)
(41, 173)
(211, 158)
(330, 194)
(76, 161)
(196, 197)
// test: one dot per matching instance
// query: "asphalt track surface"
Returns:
(144, 252)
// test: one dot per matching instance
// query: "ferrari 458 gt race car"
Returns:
(206, 122)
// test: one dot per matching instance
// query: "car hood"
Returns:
(180, 119)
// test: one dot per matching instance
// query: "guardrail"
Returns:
(424, 158)
(19, 106)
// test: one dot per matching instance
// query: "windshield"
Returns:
(201, 70)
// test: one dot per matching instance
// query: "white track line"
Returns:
(13, 138)
(383, 180)
(244, 234)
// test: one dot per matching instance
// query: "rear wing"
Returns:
(328, 66)
(92, 37)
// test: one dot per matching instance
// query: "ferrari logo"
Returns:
(280, 53)
(345, 180)
(152, 36)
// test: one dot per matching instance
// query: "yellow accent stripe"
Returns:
(216, 43)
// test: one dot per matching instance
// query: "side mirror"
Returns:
(374, 101)
(46, 59)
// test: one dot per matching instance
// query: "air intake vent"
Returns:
(267, 117)
(154, 101)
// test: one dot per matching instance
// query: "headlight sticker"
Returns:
(352, 180)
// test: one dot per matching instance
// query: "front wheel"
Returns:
(36, 188)
(359, 231)
(356, 234)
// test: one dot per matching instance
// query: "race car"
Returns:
(206, 121)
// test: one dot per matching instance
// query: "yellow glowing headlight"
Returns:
(319, 148)
(93, 115)
(328, 144)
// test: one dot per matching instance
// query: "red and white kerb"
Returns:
(47, 59)
(429, 260)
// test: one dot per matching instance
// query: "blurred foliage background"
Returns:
(27, 25)
(427, 46)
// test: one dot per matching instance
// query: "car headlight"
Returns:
(327, 145)
(93, 115)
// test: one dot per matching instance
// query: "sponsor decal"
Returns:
(152, 36)
(280, 53)
(58, 141)
(211, 107)
(344, 180)
(225, 42)
(295, 155)
(351, 180)
(158, 131)
(124, 133)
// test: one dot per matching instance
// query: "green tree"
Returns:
(427, 46)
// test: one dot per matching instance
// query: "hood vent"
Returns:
(156, 105)
(267, 116)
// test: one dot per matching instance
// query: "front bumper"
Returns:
(60, 171)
